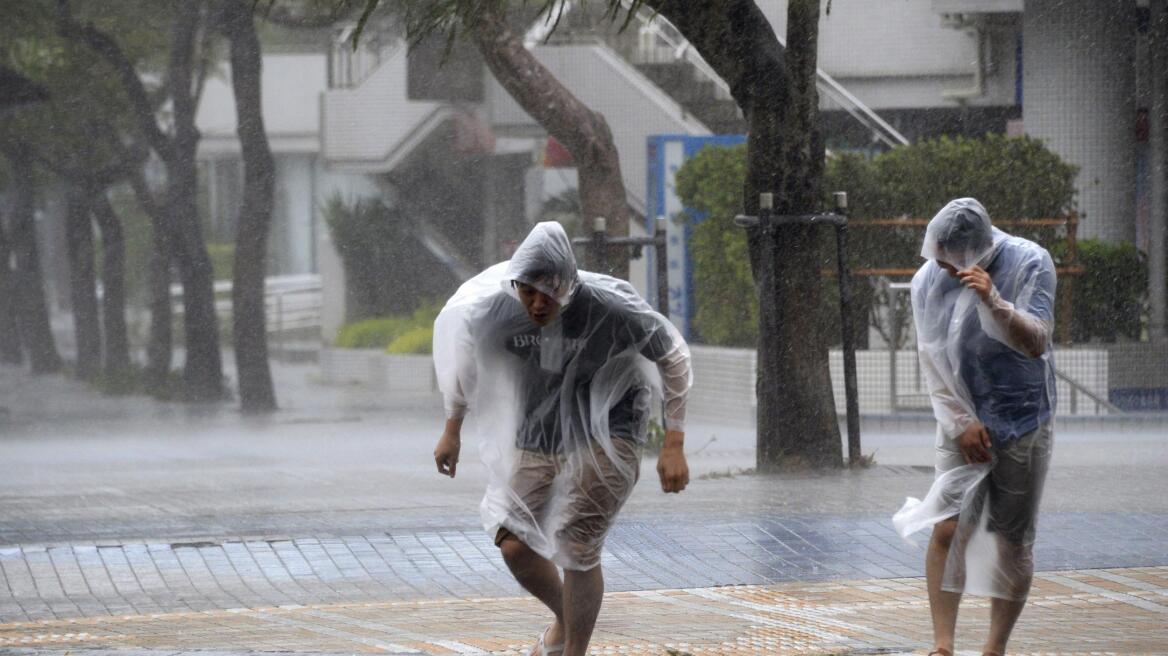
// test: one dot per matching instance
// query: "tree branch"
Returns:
(146, 198)
(69, 27)
(736, 39)
(282, 15)
(536, 90)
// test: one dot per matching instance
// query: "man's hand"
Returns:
(978, 280)
(671, 466)
(446, 452)
(975, 443)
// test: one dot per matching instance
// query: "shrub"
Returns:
(387, 268)
(1110, 296)
(726, 304)
(372, 333)
(1013, 177)
(222, 260)
(384, 332)
(415, 340)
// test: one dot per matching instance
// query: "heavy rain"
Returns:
(567, 327)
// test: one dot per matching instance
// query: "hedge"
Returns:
(385, 332)
(1012, 177)
(418, 339)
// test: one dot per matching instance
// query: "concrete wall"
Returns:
(366, 126)
(899, 55)
(1079, 86)
(292, 84)
(724, 382)
(292, 245)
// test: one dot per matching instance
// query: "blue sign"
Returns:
(667, 153)
(1139, 399)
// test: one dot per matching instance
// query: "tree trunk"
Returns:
(82, 281)
(10, 350)
(203, 370)
(160, 343)
(33, 312)
(775, 87)
(113, 279)
(247, 294)
(582, 131)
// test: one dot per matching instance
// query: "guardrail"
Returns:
(290, 302)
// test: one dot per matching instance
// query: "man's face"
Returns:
(541, 308)
(948, 267)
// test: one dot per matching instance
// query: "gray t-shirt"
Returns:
(556, 364)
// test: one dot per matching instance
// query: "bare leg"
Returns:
(1004, 612)
(583, 594)
(539, 576)
(943, 605)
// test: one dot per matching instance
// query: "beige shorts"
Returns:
(1014, 486)
(594, 499)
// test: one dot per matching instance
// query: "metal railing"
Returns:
(899, 400)
(291, 303)
(1078, 388)
(658, 36)
(348, 67)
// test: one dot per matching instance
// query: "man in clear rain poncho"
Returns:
(559, 368)
(983, 305)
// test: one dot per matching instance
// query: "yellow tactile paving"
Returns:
(1122, 611)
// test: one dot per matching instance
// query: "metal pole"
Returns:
(600, 244)
(893, 383)
(845, 289)
(280, 325)
(1158, 172)
(660, 242)
(766, 314)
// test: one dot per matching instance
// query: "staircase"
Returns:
(660, 52)
(699, 97)
(656, 54)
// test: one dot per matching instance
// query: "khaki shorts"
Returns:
(594, 499)
(1013, 489)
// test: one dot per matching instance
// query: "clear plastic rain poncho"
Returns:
(989, 363)
(561, 411)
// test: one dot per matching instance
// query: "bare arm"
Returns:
(1025, 332)
(675, 381)
(1021, 330)
(449, 446)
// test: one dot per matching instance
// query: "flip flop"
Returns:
(544, 649)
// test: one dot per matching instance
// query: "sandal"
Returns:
(544, 649)
(940, 652)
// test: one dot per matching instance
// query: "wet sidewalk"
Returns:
(129, 524)
(1116, 611)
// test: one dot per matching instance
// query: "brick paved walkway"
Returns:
(146, 529)
(1117, 611)
(87, 580)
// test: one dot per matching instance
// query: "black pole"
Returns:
(845, 291)
(766, 302)
(660, 243)
(600, 244)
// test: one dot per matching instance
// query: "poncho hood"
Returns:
(545, 261)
